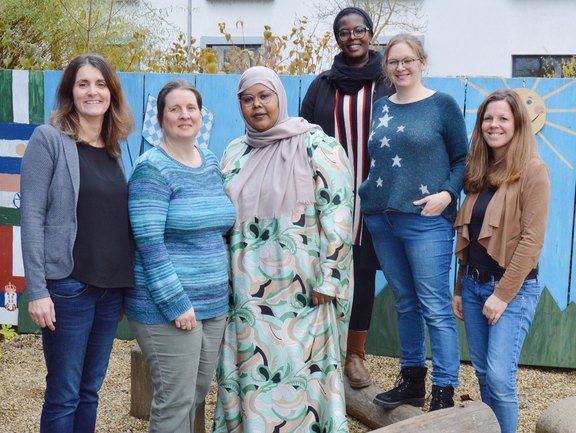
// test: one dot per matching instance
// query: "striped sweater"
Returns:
(179, 215)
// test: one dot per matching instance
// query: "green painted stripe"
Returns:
(36, 97)
(6, 114)
(9, 216)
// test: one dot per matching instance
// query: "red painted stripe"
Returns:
(6, 276)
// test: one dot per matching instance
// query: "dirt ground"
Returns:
(22, 386)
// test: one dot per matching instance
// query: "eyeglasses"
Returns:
(359, 33)
(408, 62)
(249, 100)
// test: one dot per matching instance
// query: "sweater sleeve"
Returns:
(534, 201)
(334, 202)
(456, 140)
(36, 174)
(148, 205)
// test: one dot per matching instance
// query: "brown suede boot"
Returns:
(354, 368)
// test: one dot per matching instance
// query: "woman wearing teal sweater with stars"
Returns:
(418, 153)
(179, 214)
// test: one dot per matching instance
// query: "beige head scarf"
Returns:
(277, 177)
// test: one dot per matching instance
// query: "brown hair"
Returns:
(480, 167)
(175, 85)
(118, 119)
(410, 40)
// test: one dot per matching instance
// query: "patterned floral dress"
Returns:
(280, 362)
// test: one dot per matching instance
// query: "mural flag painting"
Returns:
(19, 115)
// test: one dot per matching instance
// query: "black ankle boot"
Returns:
(442, 397)
(410, 389)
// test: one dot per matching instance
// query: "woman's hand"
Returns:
(493, 308)
(457, 307)
(186, 321)
(42, 313)
(434, 204)
(319, 298)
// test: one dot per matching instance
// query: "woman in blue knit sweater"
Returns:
(418, 152)
(179, 214)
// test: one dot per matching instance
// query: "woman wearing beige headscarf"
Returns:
(280, 363)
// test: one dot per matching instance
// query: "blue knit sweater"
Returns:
(416, 149)
(178, 215)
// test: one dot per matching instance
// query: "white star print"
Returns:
(424, 189)
(371, 136)
(396, 162)
(373, 163)
(384, 142)
(384, 120)
(385, 109)
(400, 128)
(379, 182)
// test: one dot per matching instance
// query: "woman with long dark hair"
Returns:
(76, 241)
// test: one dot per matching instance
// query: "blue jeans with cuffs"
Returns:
(495, 349)
(415, 253)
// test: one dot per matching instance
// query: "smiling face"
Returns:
(260, 107)
(404, 75)
(91, 94)
(498, 127)
(181, 117)
(355, 49)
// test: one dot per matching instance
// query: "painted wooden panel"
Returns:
(133, 86)
(551, 342)
(557, 146)
(219, 94)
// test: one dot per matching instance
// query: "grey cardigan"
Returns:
(50, 182)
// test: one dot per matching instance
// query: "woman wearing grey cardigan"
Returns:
(76, 241)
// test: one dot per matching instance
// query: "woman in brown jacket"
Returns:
(500, 229)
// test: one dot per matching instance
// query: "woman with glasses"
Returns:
(280, 362)
(418, 153)
(340, 100)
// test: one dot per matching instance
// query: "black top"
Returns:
(478, 257)
(103, 251)
(318, 107)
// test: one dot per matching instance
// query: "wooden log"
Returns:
(141, 390)
(359, 405)
(465, 417)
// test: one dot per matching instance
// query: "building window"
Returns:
(538, 66)
(222, 47)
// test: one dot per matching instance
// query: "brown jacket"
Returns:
(513, 228)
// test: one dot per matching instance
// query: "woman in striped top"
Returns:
(340, 101)
(179, 214)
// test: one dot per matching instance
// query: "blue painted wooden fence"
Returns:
(556, 141)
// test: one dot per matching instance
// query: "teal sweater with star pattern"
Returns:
(416, 149)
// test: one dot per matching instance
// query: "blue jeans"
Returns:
(77, 354)
(415, 253)
(495, 350)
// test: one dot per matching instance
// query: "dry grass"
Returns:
(22, 386)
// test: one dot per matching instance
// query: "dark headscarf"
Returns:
(349, 11)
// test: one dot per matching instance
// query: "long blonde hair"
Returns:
(481, 169)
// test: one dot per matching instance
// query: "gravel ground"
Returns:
(22, 386)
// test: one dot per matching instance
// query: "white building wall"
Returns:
(462, 37)
(479, 37)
